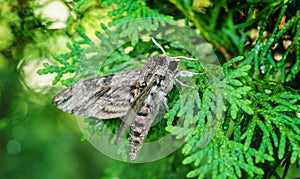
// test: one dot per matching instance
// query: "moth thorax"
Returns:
(160, 60)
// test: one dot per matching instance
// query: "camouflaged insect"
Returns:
(134, 96)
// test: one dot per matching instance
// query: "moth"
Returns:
(134, 96)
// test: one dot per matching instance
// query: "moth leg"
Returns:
(186, 58)
(182, 84)
(161, 95)
(165, 100)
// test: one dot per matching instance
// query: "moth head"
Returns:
(167, 62)
(172, 62)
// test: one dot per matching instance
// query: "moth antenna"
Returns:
(158, 45)
(186, 58)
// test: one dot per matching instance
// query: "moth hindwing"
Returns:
(134, 96)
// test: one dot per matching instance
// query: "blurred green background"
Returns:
(37, 140)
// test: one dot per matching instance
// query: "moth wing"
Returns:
(101, 97)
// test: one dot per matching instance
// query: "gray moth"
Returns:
(134, 96)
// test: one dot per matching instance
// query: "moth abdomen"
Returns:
(136, 134)
(138, 124)
(136, 142)
(142, 114)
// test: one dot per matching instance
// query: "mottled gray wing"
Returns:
(102, 97)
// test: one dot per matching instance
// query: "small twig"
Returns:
(186, 58)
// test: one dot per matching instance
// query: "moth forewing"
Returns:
(103, 97)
